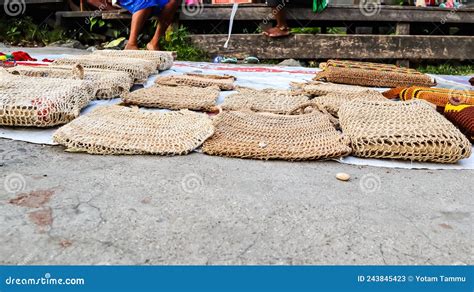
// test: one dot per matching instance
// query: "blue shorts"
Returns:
(137, 5)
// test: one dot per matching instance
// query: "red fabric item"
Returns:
(22, 56)
(47, 60)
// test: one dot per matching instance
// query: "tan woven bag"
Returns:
(109, 84)
(411, 130)
(198, 80)
(162, 59)
(41, 102)
(266, 100)
(174, 97)
(271, 136)
(332, 95)
(123, 130)
(371, 74)
(139, 70)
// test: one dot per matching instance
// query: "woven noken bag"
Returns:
(411, 130)
(139, 70)
(368, 74)
(109, 84)
(122, 130)
(271, 136)
(331, 96)
(461, 115)
(41, 102)
(162, 59)
(174, 97)
(266, 100)
(437, 96)
(225, 82)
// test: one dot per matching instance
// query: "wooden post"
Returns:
(403, 28)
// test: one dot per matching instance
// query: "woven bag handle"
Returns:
(300, 109)
(78, 71)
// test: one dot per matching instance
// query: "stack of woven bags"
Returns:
(333, 116)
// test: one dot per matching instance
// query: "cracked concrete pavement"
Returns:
(71, 208)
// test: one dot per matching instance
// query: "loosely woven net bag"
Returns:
(461, 115)
(138, 69)
(162, 59)
(372, 74)
(123, 130)
(332, 96)
(109, 84)
(266, 100)
(224, 82)
(411, 130)
(41, 102)
(174, 97)
(437, 96)
(270, 136)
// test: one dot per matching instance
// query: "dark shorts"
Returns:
(290, 3)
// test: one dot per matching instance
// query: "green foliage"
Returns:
(177, 40)
(312, 30)
(93, 21)
(447, 69)
(23, 31)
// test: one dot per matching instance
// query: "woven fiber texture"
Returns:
(266, 100)
(174, 97)
(138, 69)
(162, 59)
(367, 65)
(332, 96)
(41, 102)
(437, 96)
(382, 76)
(271, 136)
(122, 130)
(410, 130)
(198, 80)
(462, 116)
(109, 84)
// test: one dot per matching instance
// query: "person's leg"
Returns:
(278, 12)
(138, 19)
(165, 18)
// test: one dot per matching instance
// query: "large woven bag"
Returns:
(123, 130)
(410, 130)
(162, 59)
(437, 96)
(332, 96)
(371, 74)
(139, 70)
(266, 100)
(174, 97)
(109, 84)
(271, 136)
(41, 102)
(224, 82)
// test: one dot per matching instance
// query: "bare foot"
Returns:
(276, 32)
(151, 47)
(131, 47)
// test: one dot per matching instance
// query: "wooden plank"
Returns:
(2, 2)
(340, 13)
(319, 46)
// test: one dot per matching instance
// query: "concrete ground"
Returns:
(71, 208)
